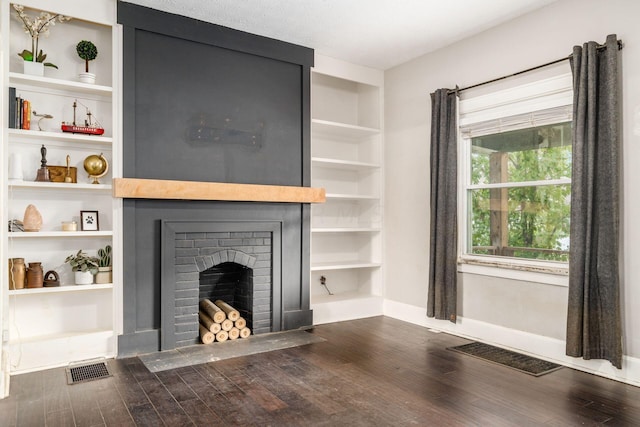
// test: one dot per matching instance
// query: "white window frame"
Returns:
(543, 94)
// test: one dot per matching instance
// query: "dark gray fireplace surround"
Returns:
(207, 103)
(190, 249)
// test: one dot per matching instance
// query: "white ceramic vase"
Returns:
(15, 167)
(87, 78)
(83, 278)
(33, 68)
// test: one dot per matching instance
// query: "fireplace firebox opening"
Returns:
(234, 284)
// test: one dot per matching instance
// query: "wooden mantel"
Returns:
(134, 188)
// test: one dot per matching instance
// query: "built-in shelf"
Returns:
(41, 234)
(342, 164)
(66, 85)
(345, 230)
(342, 130)
(62, 288)
(53, 326)
(350, 197)
(37, 137)
(323, 266)
(59, 186)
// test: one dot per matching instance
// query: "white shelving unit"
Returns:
(347, 230)
(58, 139)
(47, 327)
(62, 289)
(59, 234)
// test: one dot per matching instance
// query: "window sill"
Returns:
(526, 271)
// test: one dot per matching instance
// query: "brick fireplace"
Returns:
(238, 262)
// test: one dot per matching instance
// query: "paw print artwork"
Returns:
(89, 221)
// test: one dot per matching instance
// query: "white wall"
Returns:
(505, 310)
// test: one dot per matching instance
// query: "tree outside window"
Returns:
(519, 193)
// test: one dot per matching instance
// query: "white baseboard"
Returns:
(349, 307)
(54, 352)
(546, 348)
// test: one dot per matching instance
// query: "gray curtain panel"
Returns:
(441, 302)
(593, 322)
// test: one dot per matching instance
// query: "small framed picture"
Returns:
(89, 221)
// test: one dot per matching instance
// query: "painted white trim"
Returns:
(542, 347)
(516, 184)
(548, 275)
(5, 374)
(348, 71)
(345, 307)
(61, 350)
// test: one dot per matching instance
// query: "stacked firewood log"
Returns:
(220, 322)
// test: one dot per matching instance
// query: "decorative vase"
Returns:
(15, 167)
(35, 275)
(83, 278)
(17, 272)
(87, 78)
(104, 275)
(32, 220)
(33, 68)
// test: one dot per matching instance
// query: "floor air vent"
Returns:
(87, 372)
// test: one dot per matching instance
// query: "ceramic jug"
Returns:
(35, 275)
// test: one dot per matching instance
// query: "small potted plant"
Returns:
(34, 59)
(104, 265)
(35, 66)
(87, 51)
(84, 267)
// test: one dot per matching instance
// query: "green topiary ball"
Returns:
(87, 51)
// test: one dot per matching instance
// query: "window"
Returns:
(515, 174)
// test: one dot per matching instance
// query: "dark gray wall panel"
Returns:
(230, 117)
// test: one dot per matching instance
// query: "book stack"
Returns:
(19, 111)
(16, 225)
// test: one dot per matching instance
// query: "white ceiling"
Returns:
(375, 33)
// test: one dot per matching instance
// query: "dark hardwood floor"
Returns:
(369, 372)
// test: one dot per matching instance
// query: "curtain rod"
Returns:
(600, 47)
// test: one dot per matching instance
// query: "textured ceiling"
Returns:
(376, 33)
